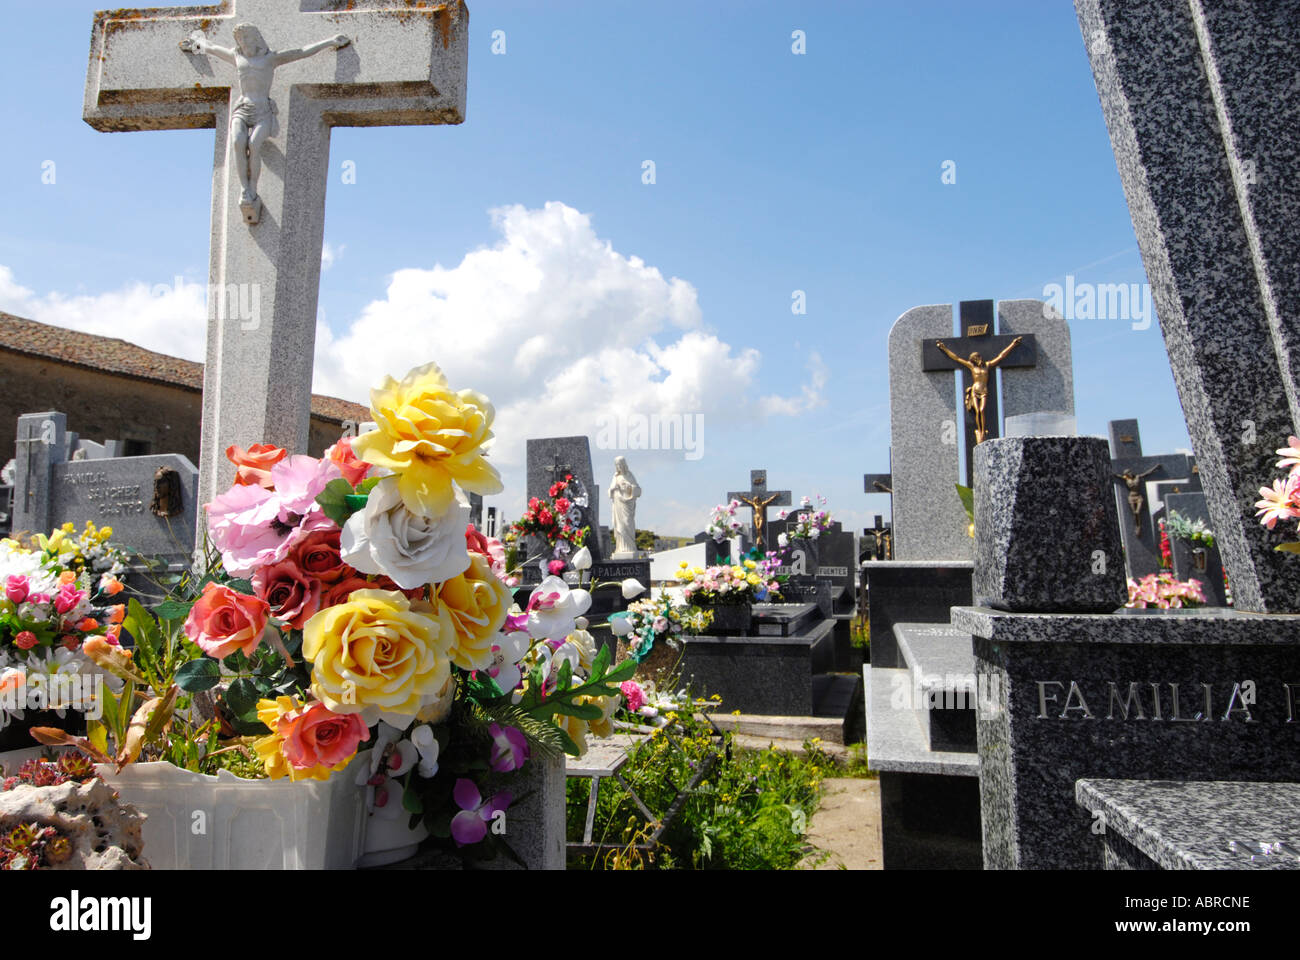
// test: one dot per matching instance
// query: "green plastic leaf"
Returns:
(584, 711)
(366, 485)
(172, 610)
(967, 496)
(333, 500)
(601, 663)
(241, 586)
(624, 671)
(197, 675)
(242, 698)
(411, 801)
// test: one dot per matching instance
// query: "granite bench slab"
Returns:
(1200, 825)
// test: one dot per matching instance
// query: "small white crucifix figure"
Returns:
(301, 67)
(253, 117)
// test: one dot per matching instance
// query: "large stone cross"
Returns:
(758, 498)
(1130, 471)
(273, 94)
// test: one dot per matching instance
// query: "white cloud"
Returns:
(555, 326)
(811, 396)
(559, 330)
(330, 253)
(169, 318)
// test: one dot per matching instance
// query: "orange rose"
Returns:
(354, 469)
(223, 621)
(255, 463)
(117, 613)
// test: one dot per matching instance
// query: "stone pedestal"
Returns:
(1046, 537)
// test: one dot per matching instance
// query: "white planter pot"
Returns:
(199, 822)
(390, 840)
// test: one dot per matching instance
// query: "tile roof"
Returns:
(121, 357)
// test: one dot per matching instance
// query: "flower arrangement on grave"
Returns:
(650, 622)
(557, 521)
(1282, 501)
(644, 704)
(1166, 549)
(1191, 531)
(749, 581)
(809, 524)
(348, 604)
(1164, 591)
(58, 593)
(723, 523)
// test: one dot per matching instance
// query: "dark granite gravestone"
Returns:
(119, 492)
(715, 553)
(1141, 538)
(773, 670)
(1200, 103)
(550, 459)
(903, 592)
(1195, 560)
(1197, 695)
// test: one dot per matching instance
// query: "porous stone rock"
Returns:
(105, 834)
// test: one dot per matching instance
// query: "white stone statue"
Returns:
(623, 491)
(253, 115)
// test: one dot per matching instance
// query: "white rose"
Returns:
(632, 588)
(581, 560)
(387, 538)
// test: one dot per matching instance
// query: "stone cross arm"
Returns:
(405, 64)
(1170, 466)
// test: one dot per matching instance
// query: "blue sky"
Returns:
(589, 291)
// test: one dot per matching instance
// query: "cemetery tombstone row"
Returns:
(161, 69)
(1130, 471)
(150, 502)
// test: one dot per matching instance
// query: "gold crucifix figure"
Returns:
(977, 393)
(760, 509)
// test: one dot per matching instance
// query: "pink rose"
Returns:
(223, 621)
(17, 588)
(25, 640)
(315, 736)
(556, 567)
(292, 595)
(68, 598)
(633, 694)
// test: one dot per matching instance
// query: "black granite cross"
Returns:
(882, 535)
(976, 318)
(1141, 547)
(758, 498)
(878, 483)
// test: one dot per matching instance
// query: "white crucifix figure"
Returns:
(300, 68)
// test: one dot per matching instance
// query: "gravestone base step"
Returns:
(796, 729)
(744, 741)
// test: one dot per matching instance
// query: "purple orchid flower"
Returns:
(509, 748)
(470, 826)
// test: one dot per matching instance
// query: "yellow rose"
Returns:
(430, 436)
(476, 603)
(377, 654)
